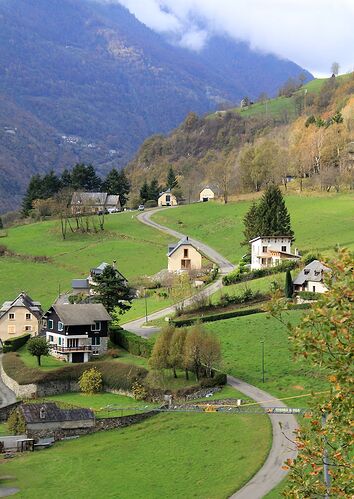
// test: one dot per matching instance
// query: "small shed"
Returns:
(206, 194)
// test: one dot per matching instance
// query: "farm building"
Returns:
(20, 316)
(268, 251)
(206, 194)
(311, 278)
(167, 199)
(94, 202)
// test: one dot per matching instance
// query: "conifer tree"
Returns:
(273, 218)
(171, 179)
(250, 222)
(1, 224)
(111, 290)
(144, 192)
(154, 190)
(115, 183)
(289, 288)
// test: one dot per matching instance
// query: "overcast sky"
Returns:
(312, 33)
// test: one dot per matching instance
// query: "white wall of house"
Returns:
(315, 287)
(206, 194)
(260, 251)
(186, 257)
(167, 199)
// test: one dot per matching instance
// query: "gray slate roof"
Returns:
(174, 247)
(112, 201)
(89, 198)
(23, 300)
(52, 412)
(81, 314)
(312, 272)
(79, 284)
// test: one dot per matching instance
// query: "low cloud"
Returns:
(312, 33)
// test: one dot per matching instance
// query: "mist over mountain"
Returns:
(85, 81)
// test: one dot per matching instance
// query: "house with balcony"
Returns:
(167, 198)
(184, 256)
(20, 316)
(311, 278)
(269, 251)
(76, 332)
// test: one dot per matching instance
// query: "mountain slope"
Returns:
(86, 81)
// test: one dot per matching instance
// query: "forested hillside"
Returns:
(82, 81)
(305, 134)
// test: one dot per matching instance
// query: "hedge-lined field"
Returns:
(170, 455)
(319, 223)
(137, 248)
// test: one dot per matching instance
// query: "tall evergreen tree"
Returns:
(289, 288)
(65, 178)
(50, 185)
(34, 191)
(144, 192)
(1, 224)
(125, 187)
(171, 179)
(110, 290)
(154, 190)
(84, 178)
(273, 215)
(117, 182)
(251, 224)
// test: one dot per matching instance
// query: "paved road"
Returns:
(7, 396)
(271, 474)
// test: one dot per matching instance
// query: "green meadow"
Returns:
(319, 222)
(170, 455)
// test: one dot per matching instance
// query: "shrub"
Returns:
(309, 295)
(16, 422)
(151, 203)
(216, 317)
(237, 276)
(14, 344)
(131, 342)
(218, 380)
(116, 375)
(90, 381)
(139, 391)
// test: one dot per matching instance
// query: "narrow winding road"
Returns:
(283, 426)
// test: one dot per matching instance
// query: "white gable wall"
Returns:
(263, 245)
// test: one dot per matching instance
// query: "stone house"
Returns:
(268, 251)
(167, 199)
(311, 278)
(206, 194)
(94, 202)
(20, 316)
(77, 332)
(184, 256)
(49, 420)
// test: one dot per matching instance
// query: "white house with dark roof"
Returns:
(184, 256)
(77, 332)
(311, 278)
(20, 316)
(268, 251)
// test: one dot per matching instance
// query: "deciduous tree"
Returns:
(38, 346)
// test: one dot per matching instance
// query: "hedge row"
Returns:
(238, 276)
(136, 345)
(115, 375)
(14, 344)
(216, 317)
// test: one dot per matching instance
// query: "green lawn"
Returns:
(319, 223)
(184, 455)
(242, 356)
(99, 402)
(47, 362)
(138, 249)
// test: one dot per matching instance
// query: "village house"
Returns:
(268, 251)
(167, 199)
(20, 316)
(311, 278)
(94, 202)
(206, 194)
(184, 256)
(77, 332)
(84, 286)
(48, 420)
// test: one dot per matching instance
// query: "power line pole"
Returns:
(262, 343)
(326, 474)
(146, 307)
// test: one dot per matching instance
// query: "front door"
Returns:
(77, 357)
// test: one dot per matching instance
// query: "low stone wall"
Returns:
(33, 390)
(122, 421)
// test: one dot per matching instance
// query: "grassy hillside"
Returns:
(138, 250)
(185, 455)
(319, 223)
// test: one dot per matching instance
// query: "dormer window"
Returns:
(306, 271)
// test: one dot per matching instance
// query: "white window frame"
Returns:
(28, 327)
(28, 316)
(94, 326)
(50, 324)
(12, 316)
(60, 326)
(96, 341)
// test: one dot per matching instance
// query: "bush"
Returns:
(90, 381)
(131, 342)
(14, 344)
(237, 276)
(116, 375)
(218, 380)
(216, 317)
(16, 422)
(309, 295)
(310, 257)
(139, 391)
(151, 203)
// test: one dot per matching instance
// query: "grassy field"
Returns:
(138, 249)
(319, 223)
(184, 455)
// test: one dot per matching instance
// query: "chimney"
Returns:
(42, 413)
(187, 238)
(114, 264)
